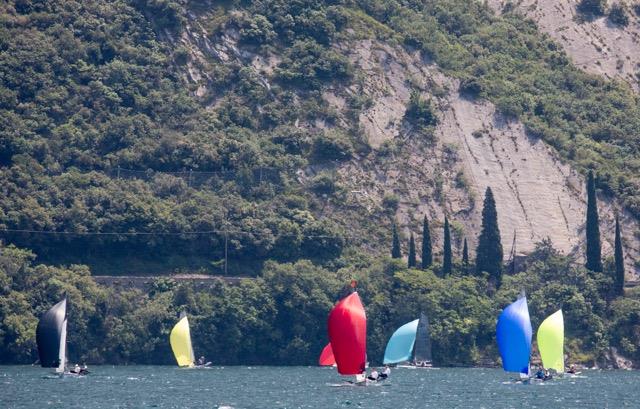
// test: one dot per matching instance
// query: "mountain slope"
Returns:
(594, 44)
(147, 136)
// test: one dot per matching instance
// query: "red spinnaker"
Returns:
(326, 357)
(348, 335)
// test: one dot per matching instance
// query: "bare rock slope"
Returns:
(537, 196)
(597, 46)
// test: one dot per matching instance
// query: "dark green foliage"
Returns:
(593, 7)
(94, 106)
(332, 145)
(272, 319)
(594, 258)
(618, 15)
(489, 253)
(427, 255)
(324, 184)
(411, 263)
(257, 30)
(309, 64)
(618, 279)
(465, 255)
(470, 88)
(420, 112)
(447, 262)
(395, 244)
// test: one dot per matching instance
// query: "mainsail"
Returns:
(51, 337)
(400, 345)
(422, 349)
(180, 339)
(326, 357)
(513, 333)
(348, 335)
(551, 341)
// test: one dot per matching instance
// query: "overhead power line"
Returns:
(192, 233)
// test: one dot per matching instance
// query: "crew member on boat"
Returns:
(385, 373)
(374, 375)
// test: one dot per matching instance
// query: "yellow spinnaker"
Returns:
(180, 340)
(551, 341)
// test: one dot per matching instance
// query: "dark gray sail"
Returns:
(422, 349)
(51, 335)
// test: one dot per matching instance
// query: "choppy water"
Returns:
(303, 387)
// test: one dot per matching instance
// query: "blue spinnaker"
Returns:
(513, 333)
(400, 345)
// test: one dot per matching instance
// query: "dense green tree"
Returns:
(412, 252)
(396, 252)
(465, 255)
(447, 261)
(427, 255)
(594, 258)
(489, 252)
(618, 279)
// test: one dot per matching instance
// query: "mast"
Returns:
(422, 348)
(62, 354)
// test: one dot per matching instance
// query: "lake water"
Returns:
(307, 387)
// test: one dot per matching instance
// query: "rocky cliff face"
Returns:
(408, 173)
(597, 45)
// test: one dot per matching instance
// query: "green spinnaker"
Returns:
(551, 341)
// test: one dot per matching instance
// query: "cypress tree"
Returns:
(594, 259)
(412, 252)
(465, 255)
(618, 286)
(395, 246)
(446, 262)
(427, 257)
(489, 251)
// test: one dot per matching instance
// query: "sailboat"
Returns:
(550, 338)
(51, 339)
(180, 340)
(347, 328)
(513, 333)
(326, 356)
(410, 343)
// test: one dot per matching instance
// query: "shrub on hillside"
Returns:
(332, 145)
(618, 15)
(420, 111)
(593, 7)
(324, 183)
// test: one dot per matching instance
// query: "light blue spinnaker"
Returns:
(513, 333)
(400, 346)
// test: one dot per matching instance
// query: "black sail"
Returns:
(49, 333)
(422, 349)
